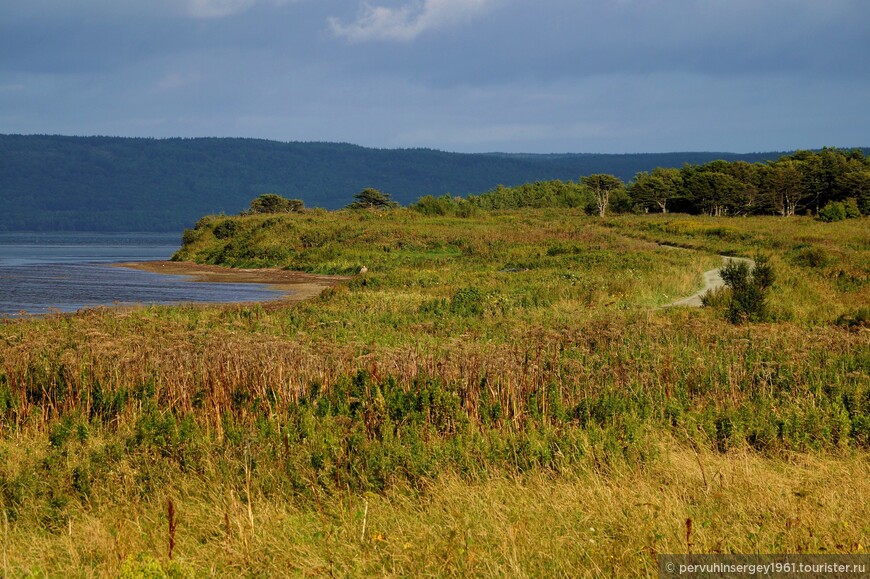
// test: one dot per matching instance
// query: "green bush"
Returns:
(444, 205)
(833, 211)
(225, 229)
(431, 205)
(718, 298)
(271, 203)
(812, 257)
(468, 302)
(189, 236)
(840, 210)
(748, 289)
(851, 207)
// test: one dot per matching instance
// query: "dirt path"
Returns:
(712, 281)
(297, 285)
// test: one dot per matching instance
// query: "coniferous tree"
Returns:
(371, 198)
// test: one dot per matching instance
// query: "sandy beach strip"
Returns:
(297, 285)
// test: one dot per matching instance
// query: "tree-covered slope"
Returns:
(108, 183)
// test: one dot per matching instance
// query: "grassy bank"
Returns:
(493, 388)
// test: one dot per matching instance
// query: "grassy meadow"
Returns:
(502, 394)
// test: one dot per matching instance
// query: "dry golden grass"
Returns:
(587, 522)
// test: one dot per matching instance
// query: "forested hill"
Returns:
(62, 183)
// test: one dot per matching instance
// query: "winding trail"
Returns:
(712, 281)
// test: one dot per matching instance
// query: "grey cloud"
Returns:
(407, 21)
(223, 8)
(572, 39)
(517, 75)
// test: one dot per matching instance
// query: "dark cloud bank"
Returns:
(462, 75)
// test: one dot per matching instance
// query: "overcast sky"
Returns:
(459, 75)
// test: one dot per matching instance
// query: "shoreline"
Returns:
(296, 286)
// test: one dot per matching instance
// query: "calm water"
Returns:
(41, 273)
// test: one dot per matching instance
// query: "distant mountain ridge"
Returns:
(61, 183)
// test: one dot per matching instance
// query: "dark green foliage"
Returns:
(762, 273)
(656, 191)
(170, 436)
(7, 402)
(370, 198)
(225, 229)
(538, 194)
(840, 210)
(748, 289)
(431, 205)
(851, 207)
(189, 236)
(445, 205)
(796, 183)
(81, 482)
(106, 404)
(717, 299)
(715, 193)
(833, 211)
(468, 302)
(603, 186)
(621, 202)
(272, 203)
(812, 257)
(717, 188)
(60, 432)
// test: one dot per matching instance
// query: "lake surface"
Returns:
(47, 272)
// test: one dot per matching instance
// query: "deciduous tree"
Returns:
(602, 185)
(655, 189)
(784, 186)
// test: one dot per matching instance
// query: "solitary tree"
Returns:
(372, 199)
(602, 185)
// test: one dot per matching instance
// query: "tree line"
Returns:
(831, 183)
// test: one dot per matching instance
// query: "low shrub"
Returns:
(225, 229)
(833, 211)
(812, 257)
(748, 289)
(719, 298)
